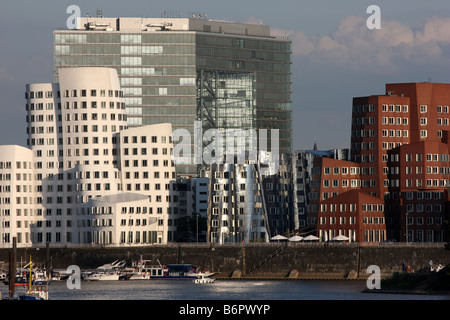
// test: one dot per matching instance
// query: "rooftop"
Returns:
(133, 24)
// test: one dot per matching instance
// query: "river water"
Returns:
(226, 299)
(224, 290)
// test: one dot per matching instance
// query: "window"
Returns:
(130, 60)
(130, 38)
(423, 109)
(423, 133)
(187, 81)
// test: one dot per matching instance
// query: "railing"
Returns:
(268, 258)
(239, 244)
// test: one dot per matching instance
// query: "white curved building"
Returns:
(17, 195)
(84, 166)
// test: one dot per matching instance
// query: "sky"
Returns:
(335, 55)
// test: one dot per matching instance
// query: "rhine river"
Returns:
(223, 290)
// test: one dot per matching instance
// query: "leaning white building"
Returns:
(74, 183)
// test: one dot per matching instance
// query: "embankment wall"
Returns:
(299, 261)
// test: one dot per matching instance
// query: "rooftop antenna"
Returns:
(99, 13)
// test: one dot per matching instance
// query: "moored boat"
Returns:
(204, 277)
(19, 281)
(35, 292)
(110, 272)
(39, 277)
(145, 270)
(102, 275)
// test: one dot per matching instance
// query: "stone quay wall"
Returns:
(293, 261)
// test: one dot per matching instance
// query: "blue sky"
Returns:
(335, 56)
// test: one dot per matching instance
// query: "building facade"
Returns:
(180, 70)
(17, 196)
(236, 211)
(288, 193)
(354, 214)
(419, 180)
(87, 178)
(399, 153)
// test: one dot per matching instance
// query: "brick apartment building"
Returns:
(400, 155)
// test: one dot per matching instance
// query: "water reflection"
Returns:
(224, 290)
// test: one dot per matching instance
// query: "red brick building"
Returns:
(418, 194)
(354, 214)
(331, 177)
(388, 132)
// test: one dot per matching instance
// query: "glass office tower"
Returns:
(179, 70)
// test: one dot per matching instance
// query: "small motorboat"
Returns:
(204, 278)
(102, 275)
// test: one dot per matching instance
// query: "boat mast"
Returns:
(29, 288)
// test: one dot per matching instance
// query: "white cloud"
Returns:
(436, 30)
(394, 47)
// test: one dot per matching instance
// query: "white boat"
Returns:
(204, 278)
(102, 275)
(146, 270)
(109, 271)
(40, 277)
(143, 270)
(118, 264)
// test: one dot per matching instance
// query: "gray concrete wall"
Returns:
(308, 261)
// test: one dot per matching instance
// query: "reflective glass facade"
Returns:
(159, 73)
